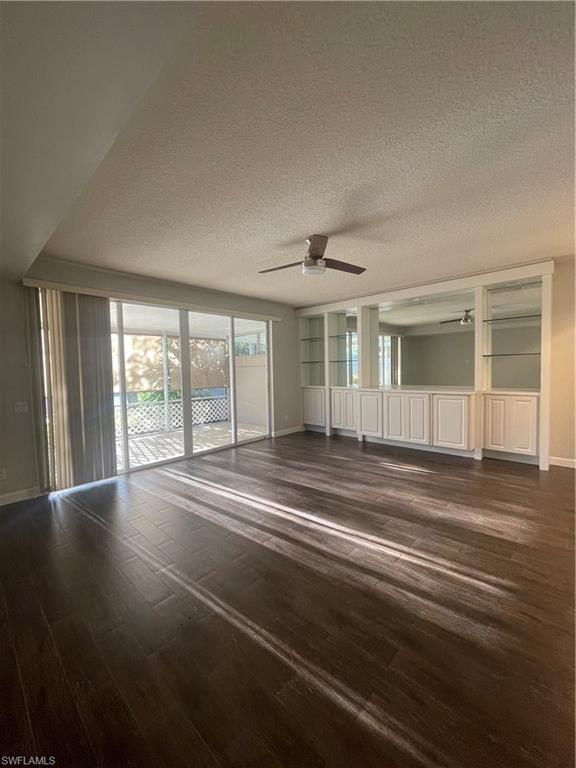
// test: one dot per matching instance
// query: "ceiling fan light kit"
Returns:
(313, 267)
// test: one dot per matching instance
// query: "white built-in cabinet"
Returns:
(343, 406)
(370, 413)
(452, 418)
(446, 420)
(511, 423)
(407, 417)
(314, 406)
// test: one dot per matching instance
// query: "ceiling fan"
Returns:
(314, 262)
(466, 318)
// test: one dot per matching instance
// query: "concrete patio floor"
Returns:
(147, 449)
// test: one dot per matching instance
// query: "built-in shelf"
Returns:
(312, 362)
(514, 354)
(504, 319)
(339, 335)
(313, 338)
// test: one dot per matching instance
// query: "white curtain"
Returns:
(78, 359)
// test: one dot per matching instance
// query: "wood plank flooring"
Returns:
(298, 602)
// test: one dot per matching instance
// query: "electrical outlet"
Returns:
(21, 407)
(3, 473)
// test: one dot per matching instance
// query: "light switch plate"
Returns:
(21, 407)
(3, 473)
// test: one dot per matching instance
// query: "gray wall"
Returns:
(444, 359)
(17, 440)
(516, 372)
(563, 389)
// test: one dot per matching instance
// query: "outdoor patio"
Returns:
(150, 448)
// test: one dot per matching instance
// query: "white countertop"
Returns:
(444, 390)
(522, 392)
(406, 388)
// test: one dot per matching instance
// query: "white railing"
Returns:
(150, 417)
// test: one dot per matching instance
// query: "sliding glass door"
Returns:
(210, 377)
(147, 384)
(251, 378)
(185, 382)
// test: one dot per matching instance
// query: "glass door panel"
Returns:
(251, 378)
(212, 406)
(149, 393)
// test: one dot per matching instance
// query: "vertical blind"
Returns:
(79, 384)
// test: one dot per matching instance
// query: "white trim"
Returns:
(122, 385)
(466, 282)
(25, 495)
(329, 321)
(232, 376)
(519, 458)
(269, 381)
(545, 367)
(560, 461)
(136, 299)
(290, 431)
(399, 443)
(428, 447)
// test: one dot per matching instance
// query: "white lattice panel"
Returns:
(149, 418)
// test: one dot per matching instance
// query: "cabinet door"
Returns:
(523, 425)
(451, 421)
(314, 408)
(338, 408)
(394, 416)
(350, 409)
(417, 419)
(495, 423)
(371, 413)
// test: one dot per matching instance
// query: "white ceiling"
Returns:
(438, 135)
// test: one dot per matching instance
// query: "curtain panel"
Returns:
(78, 360)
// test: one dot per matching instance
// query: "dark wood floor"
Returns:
(298, 602)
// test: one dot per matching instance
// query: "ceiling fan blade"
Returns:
(284, 266)
(343, 266)
(458, 319)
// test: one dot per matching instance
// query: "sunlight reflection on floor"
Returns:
(376, 720)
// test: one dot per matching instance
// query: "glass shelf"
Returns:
(339, 335)
(514, 317)
(313, 338)
(348, 360)
(514, 354)
(312, 362)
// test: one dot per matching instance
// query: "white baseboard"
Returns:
(289, 431)
(23, 495)
(559, 461)
(415, 446)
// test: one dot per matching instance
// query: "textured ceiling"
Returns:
(72, 74)
(432, 139)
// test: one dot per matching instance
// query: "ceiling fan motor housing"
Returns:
(313, 266)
